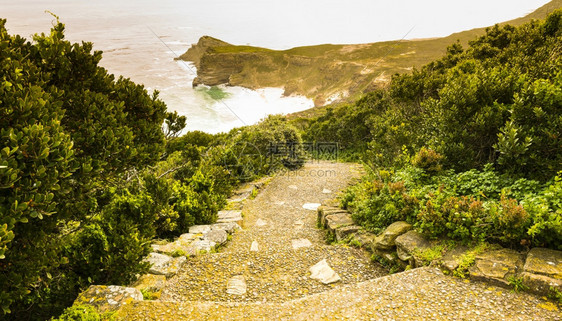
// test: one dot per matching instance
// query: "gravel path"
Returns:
(420, 294)
(275, 219)
(277, 280)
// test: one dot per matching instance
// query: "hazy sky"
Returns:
(275, 24)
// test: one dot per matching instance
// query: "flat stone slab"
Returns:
(322, 272)
(335, 221)
(497, 266)
(545, 262)
(203, 245)
(236, 285)
(543, 271)
(254, 247)
(179, 246)
(108, 298)
(150, 282)
(260, 222)
(158, 262)
(217, 236)
(311, 206)
(280, 203)
(199, 229)
(324, 211)
(229, 216)
(228, 227)
(163, 264)
(298, 243)
(386, 240)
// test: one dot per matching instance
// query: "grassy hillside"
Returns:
(325, 73)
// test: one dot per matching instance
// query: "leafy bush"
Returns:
(79, 313)
(545, 211)
(428, 160)
(375, 204)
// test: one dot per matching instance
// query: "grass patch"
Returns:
(517, 284)
(468, 259)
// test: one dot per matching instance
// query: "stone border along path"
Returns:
(240, 283)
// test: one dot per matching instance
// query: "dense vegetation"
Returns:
(468, 147)
(92, 169)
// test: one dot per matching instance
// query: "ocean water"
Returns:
(141, 38)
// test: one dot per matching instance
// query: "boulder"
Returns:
(497, 266)
(335, 221)
(386, 240)
(344, 232)
(408, 243)
(161, 264)
(217, 236)
(108, 298)
(150, 282)
(322, 272)
(543, 270)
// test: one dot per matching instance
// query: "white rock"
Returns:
(280, 203)
(299, 224)
(229, 216)
(188, 237)
(203, 245)
(293, 187)
(298, 243)
(311, 206)
(229, 227)
(322, 272)
(236, 285)
(254, 247)
(260, 222)
(326, 191)
(217, 236)
(199, 229)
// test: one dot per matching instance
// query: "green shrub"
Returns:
(375, 204)
(79, 313)
(428, 160)
(545, 211)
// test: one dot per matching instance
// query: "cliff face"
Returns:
(324, 73)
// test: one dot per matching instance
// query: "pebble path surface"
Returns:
(261, 275)
(288, 244)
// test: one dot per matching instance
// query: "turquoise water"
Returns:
(140, 38)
